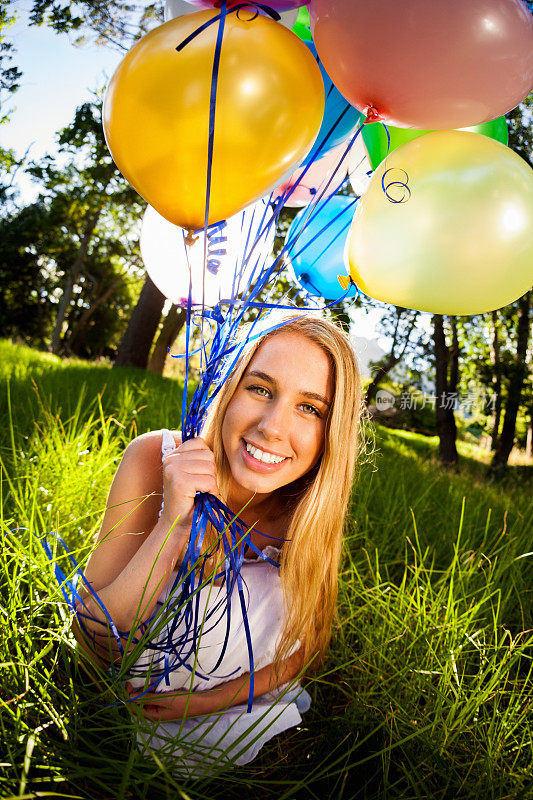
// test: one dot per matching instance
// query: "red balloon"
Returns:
(427, 63)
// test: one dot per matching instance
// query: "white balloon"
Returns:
(359, 166)
(176, 8)
(234, 257)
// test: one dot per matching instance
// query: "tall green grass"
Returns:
(427, 689)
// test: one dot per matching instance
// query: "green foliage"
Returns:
(9, 74)
(426, 692)
(8, 165)
(519, 125)
(477, 372)
(84, 203)
(85, 175)
(9, 83)
(115, 23)
(26, 286)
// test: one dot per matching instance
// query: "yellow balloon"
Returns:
(269, 108)
(446, 226)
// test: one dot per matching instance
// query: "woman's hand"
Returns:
(161, 706)
(166, 706)
(188, 469)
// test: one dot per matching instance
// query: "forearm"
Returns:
(180, 705)
(131, 598)
(231, 693)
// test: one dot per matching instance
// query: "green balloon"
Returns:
(377, 143)
(302, 26)
(495, 129)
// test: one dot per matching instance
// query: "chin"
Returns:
(256, 484)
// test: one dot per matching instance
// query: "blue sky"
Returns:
(56, 78)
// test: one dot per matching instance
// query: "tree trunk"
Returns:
(72, 277)
(174, 322)
(514, 393)
(76, 337)
(529, 438)
(496, 380)
(390, 361)
(454, 359)
(444, 416)
(134, 348)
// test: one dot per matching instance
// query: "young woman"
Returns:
(279, 447)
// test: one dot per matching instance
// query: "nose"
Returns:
(274, 422)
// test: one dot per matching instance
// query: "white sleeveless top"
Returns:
(266, 617)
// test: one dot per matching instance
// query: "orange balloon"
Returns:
(269, 108)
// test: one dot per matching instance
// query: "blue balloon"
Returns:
(339, 114)
(315, 246)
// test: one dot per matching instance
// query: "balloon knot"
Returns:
(372, 115)
(190, 239)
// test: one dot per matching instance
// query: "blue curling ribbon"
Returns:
(388, 137)
(406, 194)
(179, 615)
(215, 238)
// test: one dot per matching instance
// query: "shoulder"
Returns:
(152, 440)
(146, 449)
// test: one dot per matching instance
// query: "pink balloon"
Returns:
(315, 179)
(277, 5)
(427, 63)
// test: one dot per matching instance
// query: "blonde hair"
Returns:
(309, 566)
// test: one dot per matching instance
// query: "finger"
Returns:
(207, 485)
(155, 712)
(193, 466)
(163, 699)
(185, 455)
(200, 459)
(196, 482)
(194, 444)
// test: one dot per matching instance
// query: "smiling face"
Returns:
(274, 427)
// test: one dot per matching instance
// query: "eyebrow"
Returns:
(311, 395)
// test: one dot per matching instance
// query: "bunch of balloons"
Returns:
(226, 105)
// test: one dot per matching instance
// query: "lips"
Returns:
(260, 466)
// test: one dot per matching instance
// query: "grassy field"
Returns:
(427, 692)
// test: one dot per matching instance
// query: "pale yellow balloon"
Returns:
(460, 239)
(269, 108)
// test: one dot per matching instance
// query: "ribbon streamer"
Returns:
(177, 622)
(224, 11)
(406, 194)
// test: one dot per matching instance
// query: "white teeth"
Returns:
(266, 458)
